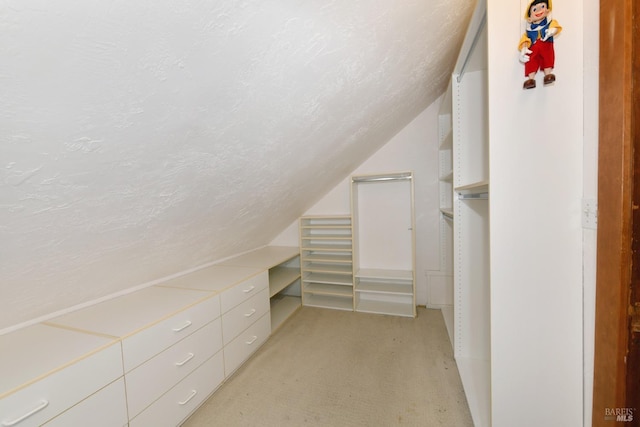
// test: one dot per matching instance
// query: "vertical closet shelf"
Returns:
(326, 249)
(445, 191)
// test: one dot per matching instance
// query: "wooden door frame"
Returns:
(615, 221)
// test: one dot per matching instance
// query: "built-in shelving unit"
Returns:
(326, 261)
(445, 169)
(284, 290)
(384, 243)
(385, 291)
(470, 203)
(445, 155)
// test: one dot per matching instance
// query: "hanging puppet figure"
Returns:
(536, 45)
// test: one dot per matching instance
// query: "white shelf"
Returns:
(281, 277)
(328, 257)
(311, 236)
(322, 246)
(329, 301)
(385, 287)
(331, 279)
(474, 187)
(282, 307)
(323, 289)
(384, 274)
(328, 268)
(326, 221)
(385, 307)
(324, 226)
(337, 232)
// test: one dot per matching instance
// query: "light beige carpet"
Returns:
(338, 368)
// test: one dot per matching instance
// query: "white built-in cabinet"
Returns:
(150, 357)
(326, 257)
(49, 374)
(283, 266)
(382, 208)
(517, 242)
(464, 207)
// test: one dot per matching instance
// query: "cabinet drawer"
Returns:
(106, 408)
(152, 379)
(238, 350)
(244, 315)
(55, 393)
(142, 346)
(179, 402)
(242, 291)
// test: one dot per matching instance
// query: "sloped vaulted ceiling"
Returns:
(140, 138)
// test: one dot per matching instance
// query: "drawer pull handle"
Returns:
(252, 340)
(183, 327)
(43, 404)
(186, 359)
(249, 289)
(251, 313)
(191, 396)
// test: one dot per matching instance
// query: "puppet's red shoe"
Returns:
(549, 78)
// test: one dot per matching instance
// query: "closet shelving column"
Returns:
(472, 345)
(326, 261)
(445, 169)
(445, 157)
(384, 243)
(284, 278)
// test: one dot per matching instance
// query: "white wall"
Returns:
(414, 148)
(538, 176)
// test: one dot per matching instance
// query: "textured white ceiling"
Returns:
(141, 138)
